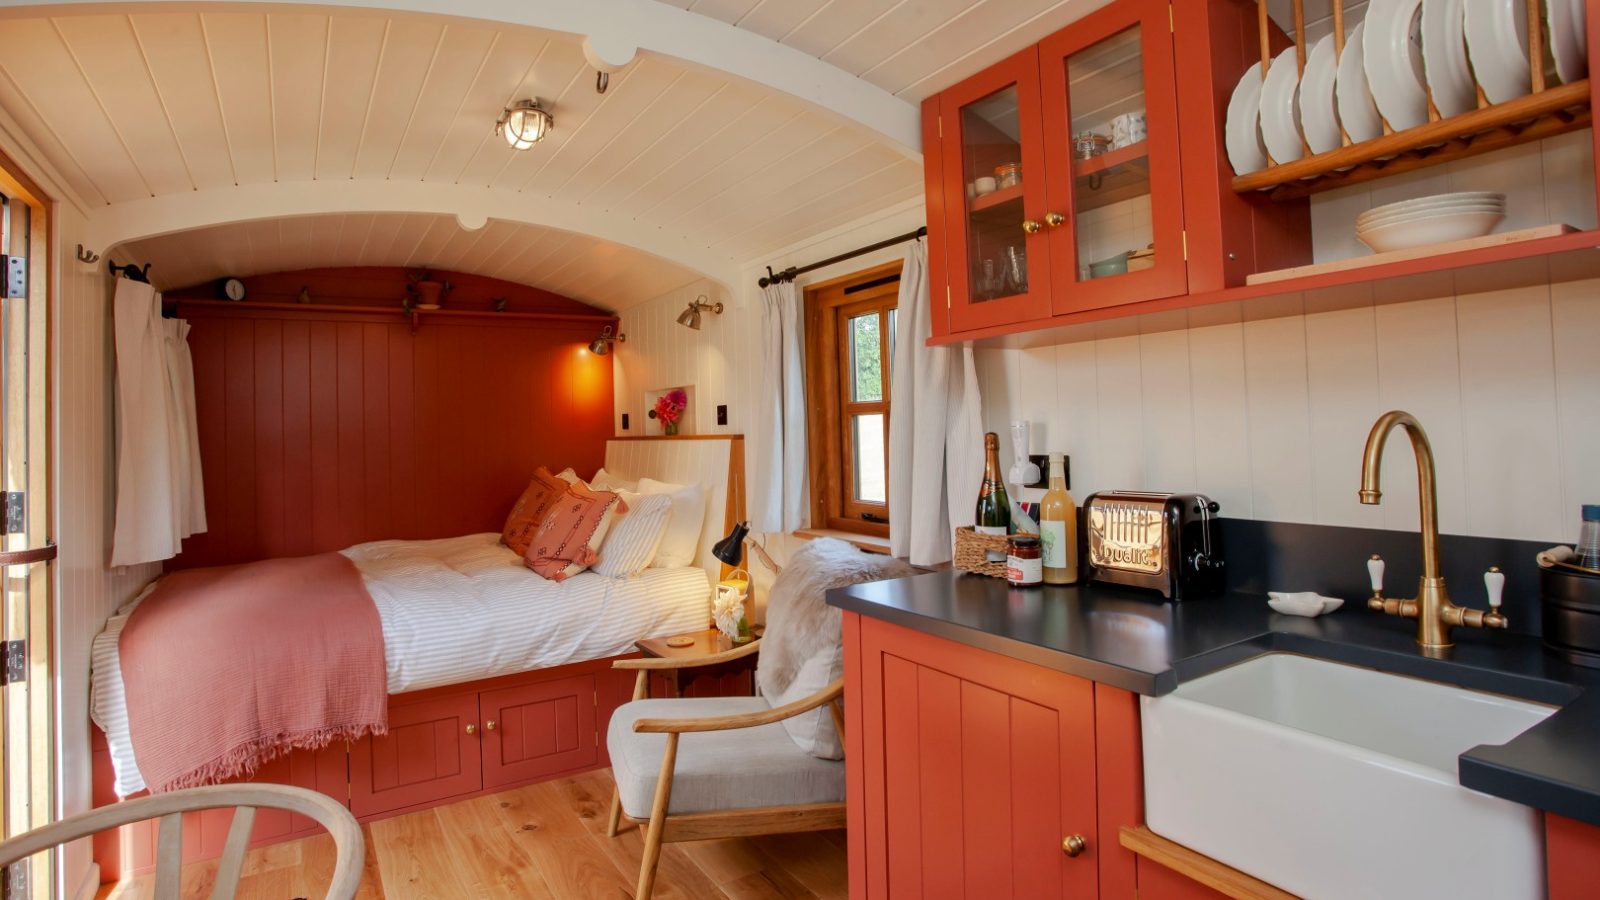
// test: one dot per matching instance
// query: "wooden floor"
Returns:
(543, 841)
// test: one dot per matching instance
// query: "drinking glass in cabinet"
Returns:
(991, 144)
(1111, 188)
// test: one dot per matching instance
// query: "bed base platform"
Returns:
(444, 744)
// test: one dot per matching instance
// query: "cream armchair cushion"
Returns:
(717, 771)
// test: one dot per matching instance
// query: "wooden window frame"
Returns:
(828, 309)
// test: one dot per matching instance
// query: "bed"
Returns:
(464, 610)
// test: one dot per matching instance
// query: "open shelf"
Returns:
(395, 310)
(1121, 174)
(1534, 117)
(996, 198)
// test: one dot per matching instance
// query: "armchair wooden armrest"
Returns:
(829, 694)
(688, 662)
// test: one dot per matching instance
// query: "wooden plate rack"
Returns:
(1545, 112)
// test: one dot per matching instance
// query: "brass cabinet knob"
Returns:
(1030, 226)
(471, 728)
(1073, 844)
(1054, 220)
(489, 725)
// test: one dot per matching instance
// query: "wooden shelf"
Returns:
(1083, 168)
(1534, 117)
(1225, 880)
(996, 198)
(350, 309)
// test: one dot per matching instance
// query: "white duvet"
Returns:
(461, 609)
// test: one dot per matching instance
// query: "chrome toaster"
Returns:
(1165, 542)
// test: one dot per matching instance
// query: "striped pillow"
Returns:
(568, 540)
(631, 544)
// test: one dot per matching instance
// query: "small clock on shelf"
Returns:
(233, 289)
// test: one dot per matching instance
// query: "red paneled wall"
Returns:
(320, 429)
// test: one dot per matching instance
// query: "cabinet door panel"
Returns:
(984, 764)
(426, 756)
(1111, 153)
(539, 729)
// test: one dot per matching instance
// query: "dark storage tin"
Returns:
(1571, 604)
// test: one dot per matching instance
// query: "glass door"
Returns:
(994, 190)
(1111, 137)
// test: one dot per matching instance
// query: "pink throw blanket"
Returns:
(227, 668)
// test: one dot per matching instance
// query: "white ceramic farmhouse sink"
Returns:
(1333, 781)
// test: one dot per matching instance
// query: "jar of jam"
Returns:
(1024, 561)
(1008, 175)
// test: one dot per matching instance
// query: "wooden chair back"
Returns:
(169, 808)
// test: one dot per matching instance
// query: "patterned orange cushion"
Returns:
(568, 540)
(542, 491)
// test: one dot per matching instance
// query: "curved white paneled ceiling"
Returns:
(596, 272)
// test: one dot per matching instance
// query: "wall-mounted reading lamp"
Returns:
(690, 317)
(601, 345)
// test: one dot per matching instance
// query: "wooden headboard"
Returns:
(714, 460)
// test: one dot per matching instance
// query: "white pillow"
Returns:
(682, 539)
(631, 543)
(571, 477)
(814, 731)
(610, 481)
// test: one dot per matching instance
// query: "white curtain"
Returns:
(778, 472)
(160, 500)
(935, 430)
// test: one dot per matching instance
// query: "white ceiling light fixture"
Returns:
(524, 124)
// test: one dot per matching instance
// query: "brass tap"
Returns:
(1432, 609)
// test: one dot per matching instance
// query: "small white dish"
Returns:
(1367, 228)
(1392, 49)
(1444, 57)
(1435, 200)
(1280, 111)
(1433, 230)
(1242, 134)
(1497, 42)
(1318, 118)
(985, 185)
(1406, 215)
(1302, 603)
(1568, 40)
(1358, 113)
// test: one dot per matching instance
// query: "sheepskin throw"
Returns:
(800, 623)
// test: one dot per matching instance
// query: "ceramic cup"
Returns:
(1128, 129)
(984, 185)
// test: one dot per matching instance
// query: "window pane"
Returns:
(866, 441)
(866, 358)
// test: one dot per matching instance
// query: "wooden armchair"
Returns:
(746, 776)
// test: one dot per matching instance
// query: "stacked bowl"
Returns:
(1431, 220)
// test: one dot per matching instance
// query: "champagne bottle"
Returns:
(1058, 527)
(993, 515)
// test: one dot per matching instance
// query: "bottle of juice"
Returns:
(1058, 527)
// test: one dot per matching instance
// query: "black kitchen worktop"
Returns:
(1135, 641)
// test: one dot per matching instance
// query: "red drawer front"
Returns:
(426, 756)
(539, 729)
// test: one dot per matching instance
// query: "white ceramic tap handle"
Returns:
(1375, 572)
(1495, 581)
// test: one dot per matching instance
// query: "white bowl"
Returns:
(1439, 230)
(1373, 215)
(1436, 200)
(1416, 214)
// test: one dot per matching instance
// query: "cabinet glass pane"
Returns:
(991, 159)
(1110, 158)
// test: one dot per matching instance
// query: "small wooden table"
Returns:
(735, 678)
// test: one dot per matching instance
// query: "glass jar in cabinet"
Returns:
(997, 242)
(1111, 156)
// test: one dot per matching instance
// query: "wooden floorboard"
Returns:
(532, 843)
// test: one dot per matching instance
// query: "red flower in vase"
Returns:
(669, 406)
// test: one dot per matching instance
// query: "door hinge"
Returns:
(16, 273)
(15, 655)
(941, 126)
(1172, 20)
(14, 881)
(16, 512)
(1186, 245)
(947, 303)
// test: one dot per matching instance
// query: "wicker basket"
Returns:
(972, 552)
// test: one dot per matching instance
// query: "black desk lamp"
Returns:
(730, 550)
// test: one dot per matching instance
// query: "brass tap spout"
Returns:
(1432, 609)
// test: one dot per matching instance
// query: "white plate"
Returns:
(1439, 230)
(1357, 112)
(1376, 215)
(1280, 111)
(1363, 227)
(1393, 58)
(1569, 43)
(1318, 118)
(1438, 199)
(1497, 42)
(1444, 56)
(1242, 135)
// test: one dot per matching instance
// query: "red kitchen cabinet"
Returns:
(430, 753)
(538, 730)
(1572, 850)
(1157, 882)
(971, 774)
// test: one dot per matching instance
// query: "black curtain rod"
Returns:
(789, 274)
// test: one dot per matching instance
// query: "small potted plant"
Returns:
(669, 409)
(425, 291)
